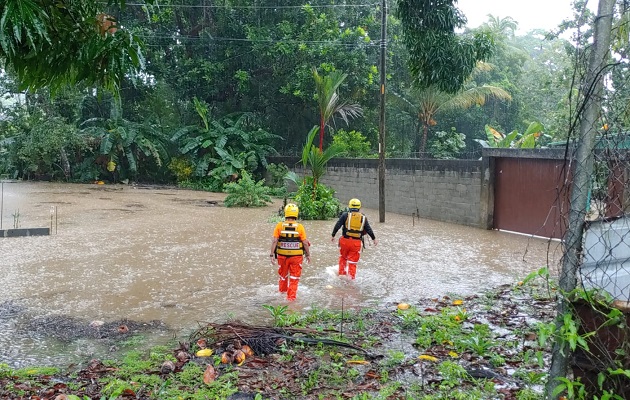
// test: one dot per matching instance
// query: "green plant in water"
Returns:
(452, 374)
(246, 192)
(478, 341)
(181, 168)
(279, 314)
(315, 158)
(396, 357)
(316, 202)
(276, 172)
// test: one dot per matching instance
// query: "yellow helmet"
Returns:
(354, 204)
(291, 210)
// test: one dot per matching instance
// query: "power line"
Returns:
(258, 7)
(270, 41)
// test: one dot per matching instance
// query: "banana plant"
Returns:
(222, 147)
(514, 139)
(121, 139)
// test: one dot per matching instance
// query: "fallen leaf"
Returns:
(428, 357)
(360, 362)
(458, 302)
(209, 375)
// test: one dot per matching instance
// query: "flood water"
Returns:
(179, 256)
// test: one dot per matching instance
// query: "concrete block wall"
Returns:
(443, 190)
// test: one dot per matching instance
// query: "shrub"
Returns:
(181, 168)
(447, 145)
(246, 193)
(319, 203)
(277, 172)
(352, 143)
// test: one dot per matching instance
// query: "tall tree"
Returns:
(438, 56)
(51, 43)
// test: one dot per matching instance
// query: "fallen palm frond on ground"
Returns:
(263, 339)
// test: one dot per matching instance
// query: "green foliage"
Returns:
(277, 174)
(222, 147)
(47, 43)
(246, 192)
(207, 184)
(329, 102)
(351, 143)
(479, 341)
(528, 140)
(316, 202)
(131, 145)
(316, 159)
(447, 145)
(437, 55)
(279, 314)
(181, 168)
(34, 143)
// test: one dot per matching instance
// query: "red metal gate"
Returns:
(530, 196)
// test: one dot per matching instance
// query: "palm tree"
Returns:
(329, 103)
(428, 103)
(501, 27)
(317, 159)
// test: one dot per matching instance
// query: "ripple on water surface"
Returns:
(145, 254)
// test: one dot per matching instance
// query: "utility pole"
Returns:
(381, 125)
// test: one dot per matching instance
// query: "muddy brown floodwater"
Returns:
(180, 257)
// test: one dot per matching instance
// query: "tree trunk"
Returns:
(425, 134)
(65, 164)
(588, 124)
(322, 127)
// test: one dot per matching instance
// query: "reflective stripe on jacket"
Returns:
(355, 222)
(289, 242)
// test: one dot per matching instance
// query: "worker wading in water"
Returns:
(354, 225)
(288, 246)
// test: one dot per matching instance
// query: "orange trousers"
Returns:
(289, 271)
(349, 254)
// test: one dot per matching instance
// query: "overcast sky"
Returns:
(530, 14)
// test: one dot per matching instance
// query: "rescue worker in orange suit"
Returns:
(354, 225)
(289, 245)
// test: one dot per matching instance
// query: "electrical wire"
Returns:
(277, 7)
(268, 41)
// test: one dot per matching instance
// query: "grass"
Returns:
(450, 336)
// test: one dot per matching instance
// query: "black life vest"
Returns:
(289, 242)
(355, 222)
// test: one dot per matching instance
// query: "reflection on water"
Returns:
(174, 255)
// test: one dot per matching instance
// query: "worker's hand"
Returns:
(308, 259)
(332, 239)
(273, 259)
(375, 242)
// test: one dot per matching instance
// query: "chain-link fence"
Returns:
(592, 346)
